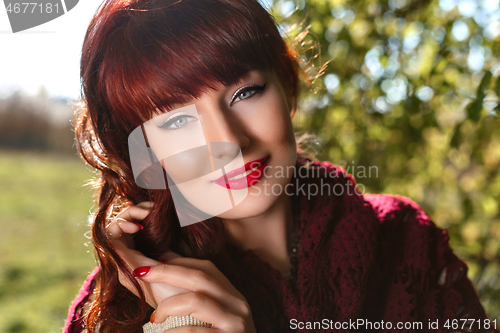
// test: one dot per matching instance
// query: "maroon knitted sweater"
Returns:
(365, 263)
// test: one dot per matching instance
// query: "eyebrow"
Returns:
(161, 109)
(246, 76)
(240, 79)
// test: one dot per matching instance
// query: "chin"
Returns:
(252, 206)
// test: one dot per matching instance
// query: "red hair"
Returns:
(143, 55)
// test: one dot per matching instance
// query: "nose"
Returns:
(225, 135)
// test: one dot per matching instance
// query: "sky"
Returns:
(47, 55)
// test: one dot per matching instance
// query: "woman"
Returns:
(209, 215)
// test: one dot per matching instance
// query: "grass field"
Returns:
(43, 257)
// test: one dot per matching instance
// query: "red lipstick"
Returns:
(245, 181)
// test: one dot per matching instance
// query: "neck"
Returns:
(266, 234)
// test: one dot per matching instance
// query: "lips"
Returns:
(257, 171)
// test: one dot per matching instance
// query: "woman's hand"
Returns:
(120, 232)
(180, 286)
(211, 297)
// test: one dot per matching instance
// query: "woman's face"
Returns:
(228, 151)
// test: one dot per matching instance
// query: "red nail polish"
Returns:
(153, 316)
(139, 225)
(142, 271)
(164, 261)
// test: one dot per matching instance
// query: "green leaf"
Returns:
(485, 82)
(474, 109)
(497, 87)
(455, 139)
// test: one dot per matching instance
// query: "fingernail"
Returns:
(141, 271)
(153, 317)
(164, 261)
(139, 225)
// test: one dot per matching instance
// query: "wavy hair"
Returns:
(143, 55)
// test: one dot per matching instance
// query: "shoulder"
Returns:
(415, 252)
(411, 246)
(402, 213)
(401, 228)
(394, 208)
(404, 227)
(399, 213)
(404, 231)
(74, 322)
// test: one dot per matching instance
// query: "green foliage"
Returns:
(413, 90)
(43, 260)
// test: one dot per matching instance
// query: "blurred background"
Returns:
(412, 91)
(412, 88)
(44, 205)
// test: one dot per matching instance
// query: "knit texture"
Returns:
(381, 259)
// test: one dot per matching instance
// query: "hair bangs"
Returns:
(167, 56)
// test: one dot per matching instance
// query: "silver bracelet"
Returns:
(173, 322)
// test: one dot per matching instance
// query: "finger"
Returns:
(146, 204)
(192, 329)
(154, 292)
(128, 227)
(190, 279)
(196, 305)
(208, 267)
(127, 221)
(168, 256)
(120, 239)
(123, 243)
(150, 299)
(119, 232)
(136, 213)
(113, 230)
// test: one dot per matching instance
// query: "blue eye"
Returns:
(247, 92)
(177, 122)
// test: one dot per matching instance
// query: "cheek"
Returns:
(274, 126)
(282, 137)
(188, 165)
